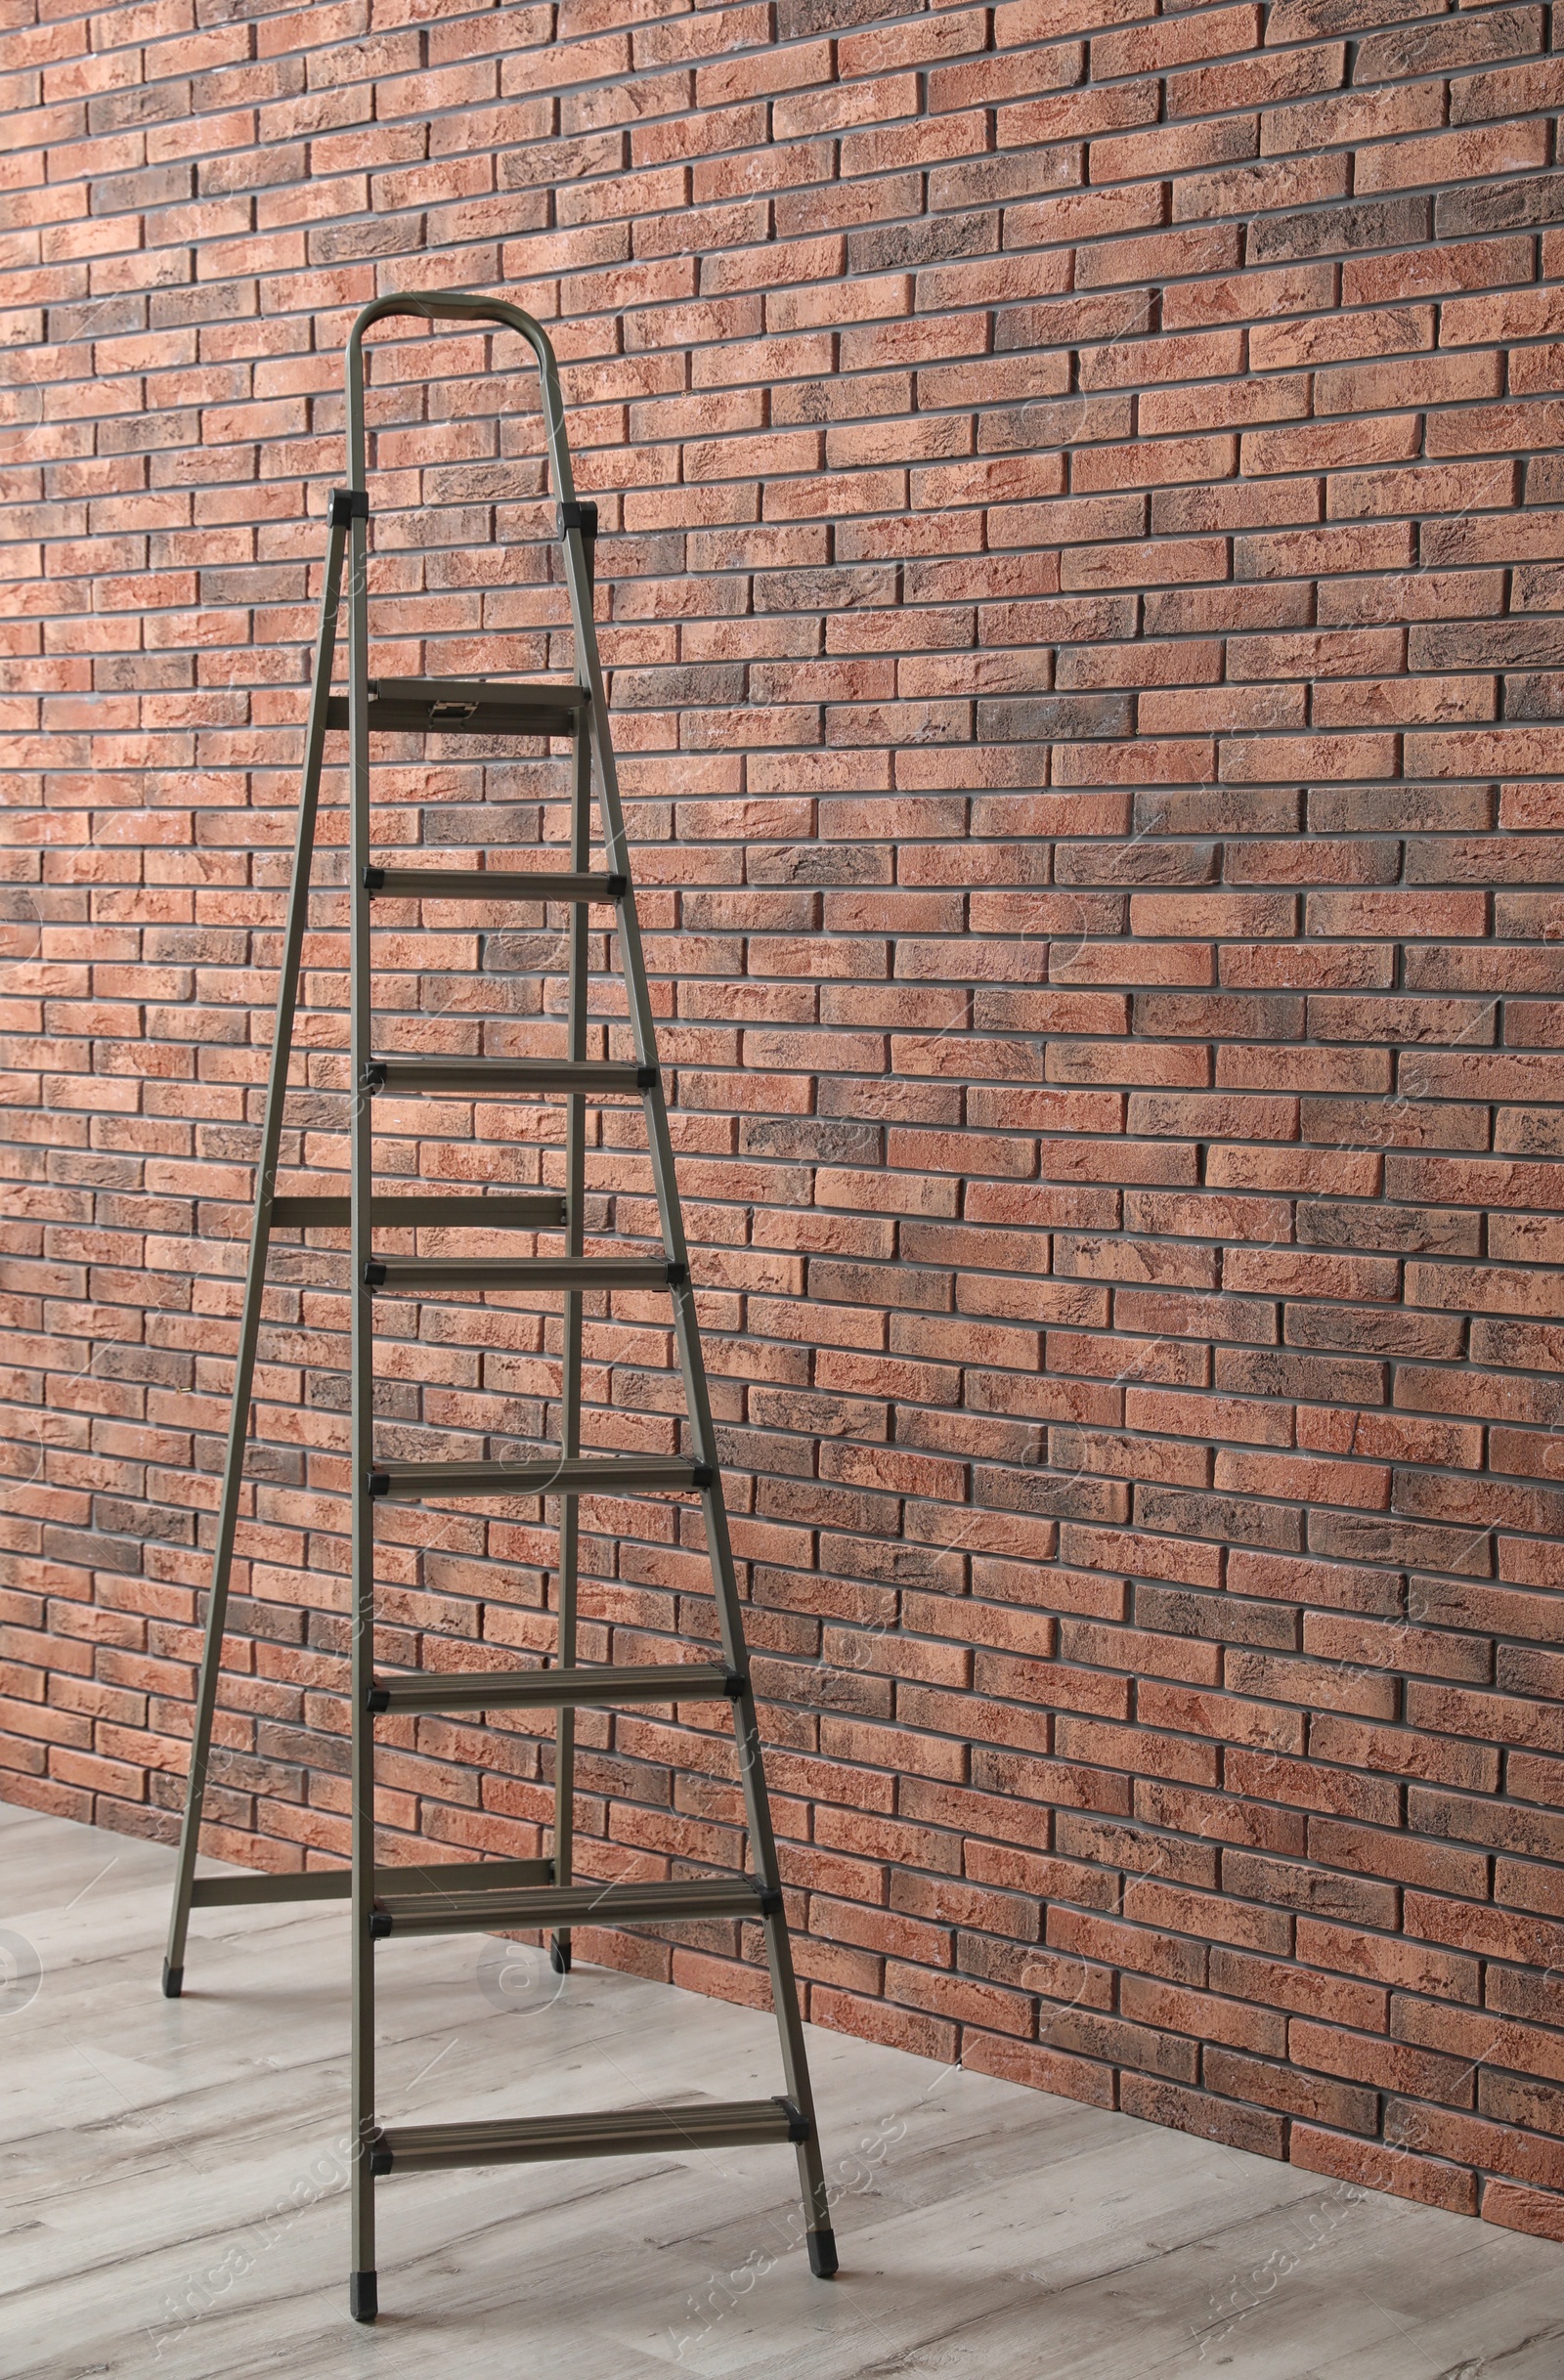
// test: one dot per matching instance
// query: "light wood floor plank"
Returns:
(173, 2199)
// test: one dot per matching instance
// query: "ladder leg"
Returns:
(571, 1340)
(363, 2283)
(746, 1738)
(256, 1276)
(819, 2236)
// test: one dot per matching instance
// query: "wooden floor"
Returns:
(174, 2188)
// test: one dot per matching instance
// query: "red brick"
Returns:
(1251, 2128)
(1376, 2167)
(1520, 2209)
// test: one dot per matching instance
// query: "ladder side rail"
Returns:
(746, 1728)
(288, 986)
(572, 1332)
(361, 2284)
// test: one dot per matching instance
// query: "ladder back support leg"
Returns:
(288, 983)
(539, 1895)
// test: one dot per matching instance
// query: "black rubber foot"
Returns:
(173, 1981)
(559, 1954)
(822, 2254)
(363, 2295)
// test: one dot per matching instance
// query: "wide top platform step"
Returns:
(465, 706)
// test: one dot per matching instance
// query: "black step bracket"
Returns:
(348, 504)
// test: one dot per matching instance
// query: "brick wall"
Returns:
(1082, 580)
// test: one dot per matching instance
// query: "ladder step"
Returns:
(480, 884)
(414, 2148)
(471, 1214)
(495, 1076)
(552, 1475)
(485, 1908)
(465, 706)
(336, 1883)
(553, 1689)
(435, 1272)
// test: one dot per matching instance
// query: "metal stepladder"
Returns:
(494, 1895)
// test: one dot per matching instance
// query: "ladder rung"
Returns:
(493, 1077)
(336, 1883)
(479, 885)
(470, 1214)
(553, 1475)
(414, 2148)
(487, 1908)
(464, 706)
(435, 1272)
(553, 1689)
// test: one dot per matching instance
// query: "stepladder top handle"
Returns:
(460, 306)
(453, 305)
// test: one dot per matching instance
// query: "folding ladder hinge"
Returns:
(584, 518)
(348, 504)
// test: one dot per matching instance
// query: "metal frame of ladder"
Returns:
(492, 1894)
